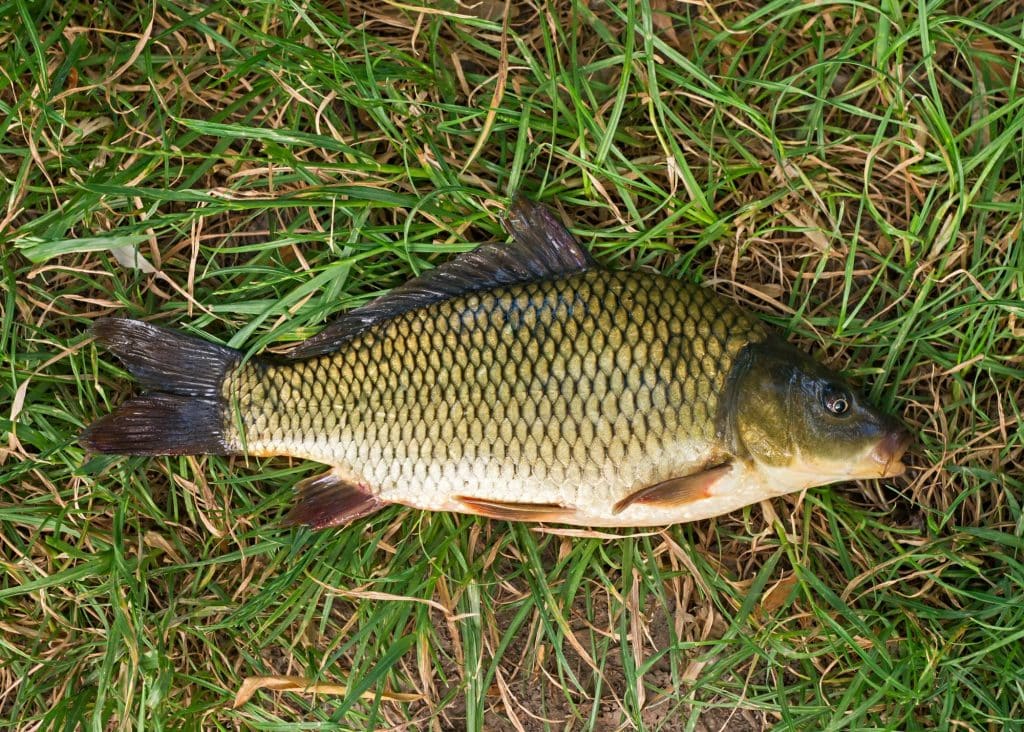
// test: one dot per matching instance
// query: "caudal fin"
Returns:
(183, 412)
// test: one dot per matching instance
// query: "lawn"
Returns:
(248, 170)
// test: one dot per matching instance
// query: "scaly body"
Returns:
(578, 391)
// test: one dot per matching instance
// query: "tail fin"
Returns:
(183, 412)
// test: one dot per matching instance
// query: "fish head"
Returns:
(803, 425)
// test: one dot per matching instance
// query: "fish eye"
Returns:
(835, 400)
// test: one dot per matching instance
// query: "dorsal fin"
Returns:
(541, 249)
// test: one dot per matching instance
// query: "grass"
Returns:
(852, 173)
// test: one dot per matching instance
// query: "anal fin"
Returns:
(511, 511)
(329, 500)
(675, 492)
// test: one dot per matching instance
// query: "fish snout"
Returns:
(889, 450)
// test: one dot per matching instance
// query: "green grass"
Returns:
(853, 174)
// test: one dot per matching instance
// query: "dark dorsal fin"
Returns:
(542, 249)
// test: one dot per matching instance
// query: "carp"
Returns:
(518, 381)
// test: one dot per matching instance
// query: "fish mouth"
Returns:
(887, 453)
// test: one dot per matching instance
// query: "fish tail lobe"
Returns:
(183, 411)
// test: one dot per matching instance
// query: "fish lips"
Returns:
(884, 461)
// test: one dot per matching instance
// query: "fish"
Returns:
(519, 381)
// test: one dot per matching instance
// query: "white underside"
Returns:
(742, 486)
(590, 496)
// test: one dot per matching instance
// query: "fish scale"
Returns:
(552, 392)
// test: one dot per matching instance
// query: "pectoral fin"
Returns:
(510, 511)
(675, 492)
(329, 500)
